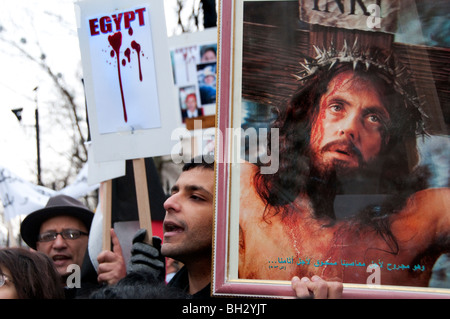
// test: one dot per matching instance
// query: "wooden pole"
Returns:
(106, 196)
(143, 202)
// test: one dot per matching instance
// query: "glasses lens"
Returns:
(48, 236)
(71, 234)
(66, 234)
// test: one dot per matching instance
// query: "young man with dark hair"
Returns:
(188, 227)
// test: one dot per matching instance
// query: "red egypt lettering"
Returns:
(113, 23)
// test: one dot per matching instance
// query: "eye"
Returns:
(377, 120)
(4, 279)
(72, 234)
(48, 236)
(336, 107)
(374, 118)
(197, 198)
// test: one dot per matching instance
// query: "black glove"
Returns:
(147, 258)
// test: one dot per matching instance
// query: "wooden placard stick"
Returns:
(143, 202)
(106, 206)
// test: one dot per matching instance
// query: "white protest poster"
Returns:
(127, 74)
(103, 171)
(118, 68)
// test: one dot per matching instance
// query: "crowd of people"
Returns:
(58, 237)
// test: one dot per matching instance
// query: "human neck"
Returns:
(199, 274)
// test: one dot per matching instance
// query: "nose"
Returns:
(59, 242)
(349, 127)
(172, 203)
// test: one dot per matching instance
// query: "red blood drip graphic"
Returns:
(137, 47)
(115, 41)
(128, 54)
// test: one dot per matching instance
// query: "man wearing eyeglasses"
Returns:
(66, 249)
(60, 230)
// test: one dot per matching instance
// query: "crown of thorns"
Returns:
(392, 72)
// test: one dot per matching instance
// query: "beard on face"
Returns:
(337, 166)
(363, 178)
(328, 178)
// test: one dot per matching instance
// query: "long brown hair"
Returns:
(33, 274)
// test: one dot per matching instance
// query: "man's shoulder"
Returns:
(441, 193)
(180, 280)
(251, 204)
(426, 209)
(247, 172)
(433, 200)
